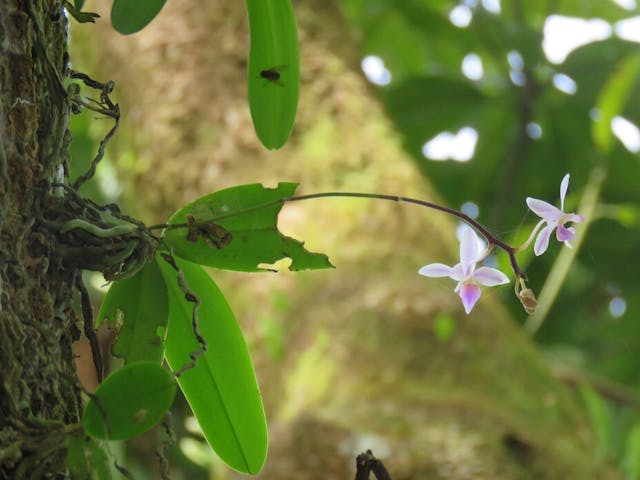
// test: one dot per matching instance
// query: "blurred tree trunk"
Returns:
(37, 371)
(348, 359)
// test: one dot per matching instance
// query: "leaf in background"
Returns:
(274, 70)
(255, 238)
(631, 460)
(600, 418)
(221, 389)
(137, 307)
(131, 401)
(613, 98)
(86, 459)
(131, 16)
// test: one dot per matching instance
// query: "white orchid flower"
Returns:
(555, 219)
(469, 277)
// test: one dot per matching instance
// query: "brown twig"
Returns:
(366, 463)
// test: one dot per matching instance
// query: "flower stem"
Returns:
(481, 229)
(492, 241)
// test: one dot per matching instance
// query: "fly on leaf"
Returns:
(273, 74)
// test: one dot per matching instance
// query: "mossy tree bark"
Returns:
(37, 371)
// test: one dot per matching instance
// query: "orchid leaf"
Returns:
(131, 16)
(243, 233)
(86, 459)
(129, 402)
(137, 308)
(274, 70)
(221, 386)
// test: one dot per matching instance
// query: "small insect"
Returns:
(273, 74)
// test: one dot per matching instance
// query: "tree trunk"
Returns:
(38, 397)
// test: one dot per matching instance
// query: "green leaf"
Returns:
(130, 401)
(612, 99)
(255, 238)
(137, 307)
(274, 70)
(86, 459)
(81, 17)
(600, 418)
(221, 389)
(131, 16)
(631, 459)
(78, 4)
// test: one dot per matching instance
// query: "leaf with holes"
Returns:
(131, 16)
(274, 70)
(246, 219)
(129, 402)
(221, 389)
(138, 309)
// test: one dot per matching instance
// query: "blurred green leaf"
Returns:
(600, 418)
(425, 106)
(612, 99)
(255, 238)
(78, 4)
(631, 459)
(131, 16)
(274, 70)
(138, 309)
(86, 459)
(221, 389)
(129, 402)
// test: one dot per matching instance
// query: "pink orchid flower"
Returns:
(555, 219)
(469, 277)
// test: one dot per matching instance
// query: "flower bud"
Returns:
(528, 300)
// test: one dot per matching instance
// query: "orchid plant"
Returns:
(470, 278)
(473, 250)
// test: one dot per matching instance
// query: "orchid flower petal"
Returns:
(458, 272)
(490, 277)
(469, 294)
(435, 270)
(564, 234)
(542, 242)
(564, 185)
(574, 217)
(468, 248)
(543, 209)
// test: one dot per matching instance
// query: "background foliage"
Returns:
(430, 94)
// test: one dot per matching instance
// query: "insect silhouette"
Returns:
(273, 74)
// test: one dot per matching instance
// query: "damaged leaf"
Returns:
(246, 218)
(221, 386)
